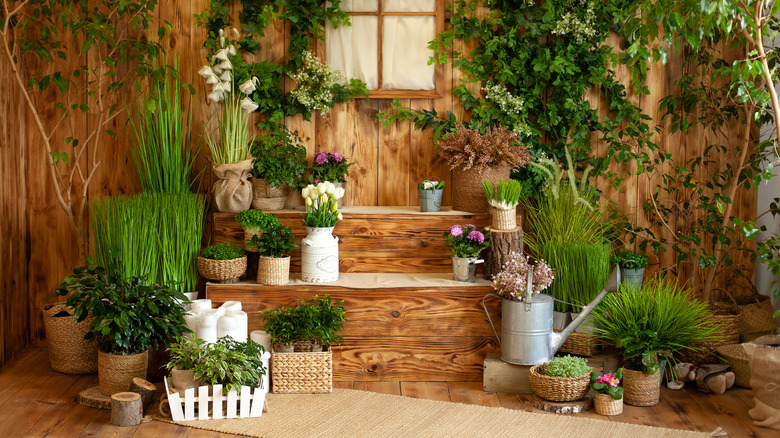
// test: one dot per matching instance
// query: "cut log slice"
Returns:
(145, 389)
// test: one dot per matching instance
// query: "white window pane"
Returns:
(409, 5)
(359, 6)
(405, 53)
(353, 50)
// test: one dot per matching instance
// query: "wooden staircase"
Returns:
(435, 330)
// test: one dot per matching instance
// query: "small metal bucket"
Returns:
(430, 200)
(465, 269)
(634, 277)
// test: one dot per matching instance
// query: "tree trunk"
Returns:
(502, 243)
(145, 389)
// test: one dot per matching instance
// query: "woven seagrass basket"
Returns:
(69, 352)
(606, 405)
(504, 220)
(728, 317)
(581, 344)
(267, 198)
(302, 372)
(248, 236)
(560, 389)
(225, 271)
(116, 371)
(734, 355)
(467, 191)
(273, 271)
(640, 389)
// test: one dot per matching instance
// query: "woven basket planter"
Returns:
(734, 355)
(581, 344)
(504, 220)
(757, 314)
(559, 389)
(467, 191)
(606, 405)
(69, 352)
(640, 389)
(729, 318)
(248, 236)
(268, 198)
(116, 371)
(273, 271)
(302, 372)
(225, 271)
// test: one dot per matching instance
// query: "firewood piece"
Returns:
(502, 243)
(126, 409)
(145, 389)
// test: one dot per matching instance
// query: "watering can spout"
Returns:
(558, 339)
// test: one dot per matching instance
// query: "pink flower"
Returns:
(456, 231)
(337, 156)
(317, 181)
(476, 235)
(609, 379)
(321, 158)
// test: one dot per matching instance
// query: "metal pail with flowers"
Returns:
(430, 192)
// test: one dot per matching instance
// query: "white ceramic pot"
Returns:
(320, 256)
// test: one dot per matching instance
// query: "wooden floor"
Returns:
(36, 401)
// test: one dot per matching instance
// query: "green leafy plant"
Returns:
(607, 384)
(331, 167)
(327, 320)
(283, 325)
(466, 241)
(567, 366)
(223, 251)
(506, 194)
(131, 316)
(277, 241)
(322, 204)
(279, 157)
(318, 320)
(431, 185)
(628, 259)
(256, 220)
(476, 148)
(654, 323)
(225, 362)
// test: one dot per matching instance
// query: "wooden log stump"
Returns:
(502, 243)
(145, 389)
(126, 409)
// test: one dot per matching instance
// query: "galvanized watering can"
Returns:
(527, 327)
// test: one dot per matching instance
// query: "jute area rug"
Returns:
(351, 413)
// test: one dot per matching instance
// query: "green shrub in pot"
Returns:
(256, 221)
(277, 241)
(279, 157)
(283, 326)
(627, 259)
(327, 319)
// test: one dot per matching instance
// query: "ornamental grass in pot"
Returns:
(563, 379)
(274, 246)
(130, 317)
(503, 200)
(279, 162)
(477, 154)
(223, 262)
(650, 326)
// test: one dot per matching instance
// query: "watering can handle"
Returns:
(488, 315)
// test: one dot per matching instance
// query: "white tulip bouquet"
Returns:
(236, 104)
(322, 204)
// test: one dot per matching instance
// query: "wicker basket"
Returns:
(69, 352)
(268, 198)
(606, 405)
(225, 271)
(116, 371)
(273, 271)
(504, 220)
(734, 355)
(640, 389)
(757, 314)
(581, 344)
(467, 191)
(302, 372)
(728, 318)
(560, 389)
(248, 236)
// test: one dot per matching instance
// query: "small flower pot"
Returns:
(430, 200)
(504, 220)
(224, 271)
(606, 405)
(465, 269)
(634, 277)
(273, 271)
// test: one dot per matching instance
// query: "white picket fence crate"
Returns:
(247, 404)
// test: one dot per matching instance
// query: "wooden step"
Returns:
(434, 331)
(375, 239)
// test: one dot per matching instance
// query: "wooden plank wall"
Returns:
(389, 164)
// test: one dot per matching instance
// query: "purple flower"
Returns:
(476, 235)
(456, 231)
(337, 157)
(470, 226)
(321, 158)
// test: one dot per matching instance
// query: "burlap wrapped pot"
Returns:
(117, 371)
(69, 352)
(232, 190)
(467, 192)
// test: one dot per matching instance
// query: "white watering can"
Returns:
(527, 327)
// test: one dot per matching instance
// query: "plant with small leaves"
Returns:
(277, 241)
(431, 185)
(628, 259)
(256, 220)
(607, 384)
(506, 194)
(278, 157)
(223, 251)
(567, 366)
(283, 325)
(327, 320)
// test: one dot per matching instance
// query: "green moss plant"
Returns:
(567, 366)
(223, 251)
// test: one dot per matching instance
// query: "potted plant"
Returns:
(320, 249)
(563, 379)
(465, 243)
(609, 395)
(332, 167)
(430, 192)
(328, 318)
(231, 159)
(254, 223)
(130, 317)
(284, 328)
(632, 266)
(477, 154)
(223, 262)
(274, 246)
(503, 200)
(279, 161)
(650, 326)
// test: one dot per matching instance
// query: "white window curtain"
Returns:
(353, 50)
(359, 5)
(409, 5)
(405, 53)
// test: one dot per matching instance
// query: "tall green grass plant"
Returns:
(581, 271)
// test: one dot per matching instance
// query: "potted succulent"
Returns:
(563, 379)
(430, 192)
(503, 200)
(223, 262)
(320, 248)
(465, 243)
(130, 317)
(650, 326)
(255, 222)
(477, 154)
(274, 246)
(609, 395)
(332, 167)
(279, 163)
(632, 266)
